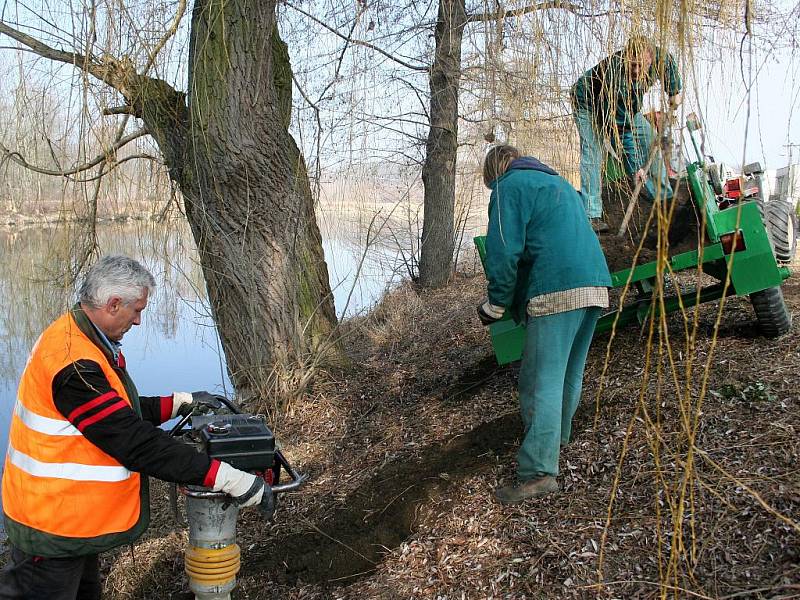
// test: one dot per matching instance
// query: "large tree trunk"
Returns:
(439, 170)
(248, 200)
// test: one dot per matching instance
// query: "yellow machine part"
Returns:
(212, 566)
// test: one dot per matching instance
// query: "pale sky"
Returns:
(772, 122)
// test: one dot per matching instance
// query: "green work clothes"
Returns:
(538, 240)
(550, 383)
(609, 94)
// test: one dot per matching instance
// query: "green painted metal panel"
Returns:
(508, 340)
(703, 197)
(480, 244)
(508, 336)
(614, 169)
(679, 262)
(754, 268)
(606, 322)
(691, 298)
(646, 271)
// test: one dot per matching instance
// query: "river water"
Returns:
(176, 348)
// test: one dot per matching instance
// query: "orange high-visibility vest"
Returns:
(62, 495)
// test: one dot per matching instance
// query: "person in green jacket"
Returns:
(607, 102)
(543, 264)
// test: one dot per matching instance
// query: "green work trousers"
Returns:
(550, 382)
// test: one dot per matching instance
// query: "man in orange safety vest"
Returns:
(82, 443)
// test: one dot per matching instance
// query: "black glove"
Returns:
(267, 504)
(206, 400)
(200, 400)
(489, 314)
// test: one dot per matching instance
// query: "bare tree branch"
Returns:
(103, 157)
(162, 108)
(41, 49)
(518, 12)
(117, 163)
(317, 134)
(119, 74)
(169, 33)
(119, 110)
(357, 42)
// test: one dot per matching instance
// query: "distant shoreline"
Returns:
(332, 212)
(22, 222)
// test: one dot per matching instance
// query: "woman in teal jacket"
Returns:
(544, 264)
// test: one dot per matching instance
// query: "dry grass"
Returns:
(388, 321)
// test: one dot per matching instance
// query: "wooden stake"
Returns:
(638, 187)
(636, 191)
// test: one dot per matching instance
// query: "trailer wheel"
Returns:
(774, 319)
(781, 222)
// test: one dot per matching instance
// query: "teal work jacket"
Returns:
(539, 239)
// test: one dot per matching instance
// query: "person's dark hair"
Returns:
(497, 161)
(115, 275)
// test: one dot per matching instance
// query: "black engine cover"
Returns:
(243, 441)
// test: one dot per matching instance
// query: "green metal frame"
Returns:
(751, 270)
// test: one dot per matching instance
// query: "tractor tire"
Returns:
(781, 222)
(774, 318)
(762, 210)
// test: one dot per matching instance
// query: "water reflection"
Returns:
(357, 279)
(175, 348)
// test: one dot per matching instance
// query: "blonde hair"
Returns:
(497, 161)
(638, 45)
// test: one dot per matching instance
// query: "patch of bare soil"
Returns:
(405, 447)
(682, 227)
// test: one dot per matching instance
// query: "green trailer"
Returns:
(738, 242)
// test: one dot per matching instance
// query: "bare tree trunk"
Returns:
(439, 170)
(249, 202)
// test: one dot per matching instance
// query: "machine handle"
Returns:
(185, 419)
(297, 478)
(179, 425)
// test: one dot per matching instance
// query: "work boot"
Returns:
(533, 488)
(598, 225)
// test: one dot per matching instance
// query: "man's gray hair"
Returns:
(115, 276)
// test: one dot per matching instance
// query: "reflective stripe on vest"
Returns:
(42, 424)
(73, 471)
(55, 480)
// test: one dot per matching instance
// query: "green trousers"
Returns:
(550, 382)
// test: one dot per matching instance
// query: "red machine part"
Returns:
(739, 187)
(732, 188)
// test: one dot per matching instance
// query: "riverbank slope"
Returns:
(404, 449)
